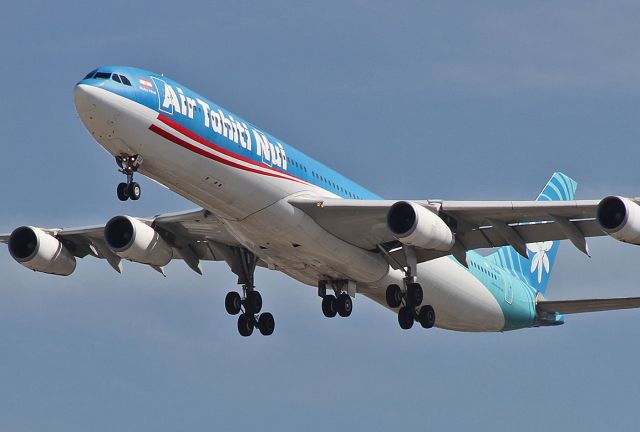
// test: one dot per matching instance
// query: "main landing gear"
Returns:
(129, 165)
(249, 305)
(340, 302)
(248, 308)
(410, 299)
(409, 302)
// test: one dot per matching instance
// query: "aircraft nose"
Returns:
(95, 110)
(84, 98)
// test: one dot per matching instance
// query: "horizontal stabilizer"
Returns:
(588, 305)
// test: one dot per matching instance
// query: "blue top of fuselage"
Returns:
(217, 125)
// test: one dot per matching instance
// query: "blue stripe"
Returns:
(563, 183)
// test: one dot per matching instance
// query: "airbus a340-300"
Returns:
(264, 203)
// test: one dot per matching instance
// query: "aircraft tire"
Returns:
(134, 191)
(329, 306)
(233, 303)
(405, 318)
(344, 305)
(394, 296)
(253, 303)
(414, 294)
(123, 193)
(245, 325)
(266, 324)
(427, 316)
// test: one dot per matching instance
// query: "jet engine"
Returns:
(131, 239)
(39, 251)
(416, 226)
(620, 218)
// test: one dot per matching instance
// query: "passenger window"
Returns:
(116, 78)
(125, 80)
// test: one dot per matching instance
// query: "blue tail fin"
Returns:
(536, 270)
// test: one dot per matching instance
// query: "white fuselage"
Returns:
(255, 210)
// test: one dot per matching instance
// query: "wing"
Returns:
(475, 224)
(193, 236)
(588, 305)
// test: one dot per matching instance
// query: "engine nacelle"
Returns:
(39, 251)
(416, 226)
(620, 218)
(136, 241)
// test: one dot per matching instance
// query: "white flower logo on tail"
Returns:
(540, 260)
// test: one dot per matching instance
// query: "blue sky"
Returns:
(411, 99)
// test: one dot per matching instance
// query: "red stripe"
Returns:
(186, 132)
(163, 133)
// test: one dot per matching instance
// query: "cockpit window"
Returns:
(106, 75)
(90, 74)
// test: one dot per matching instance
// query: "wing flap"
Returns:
(479, 213)
(588, 305)
(488, 237)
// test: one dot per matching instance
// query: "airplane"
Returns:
(264, 203)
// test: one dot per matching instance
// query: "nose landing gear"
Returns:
(129, 165)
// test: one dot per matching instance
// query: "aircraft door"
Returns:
(508, 289)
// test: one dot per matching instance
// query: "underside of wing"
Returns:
(191, 236)
(588, 305)
(473, 224)
(364, 223)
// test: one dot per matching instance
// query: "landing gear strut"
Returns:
(129, 165)
(249, 305)
(410, 299)
(340, 302)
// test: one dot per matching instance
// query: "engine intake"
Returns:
(131, 239)
(40, 251)
(416, 226)
(620, 218)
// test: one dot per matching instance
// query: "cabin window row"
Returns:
(334, 185)
(297, 164)
(485, 271)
